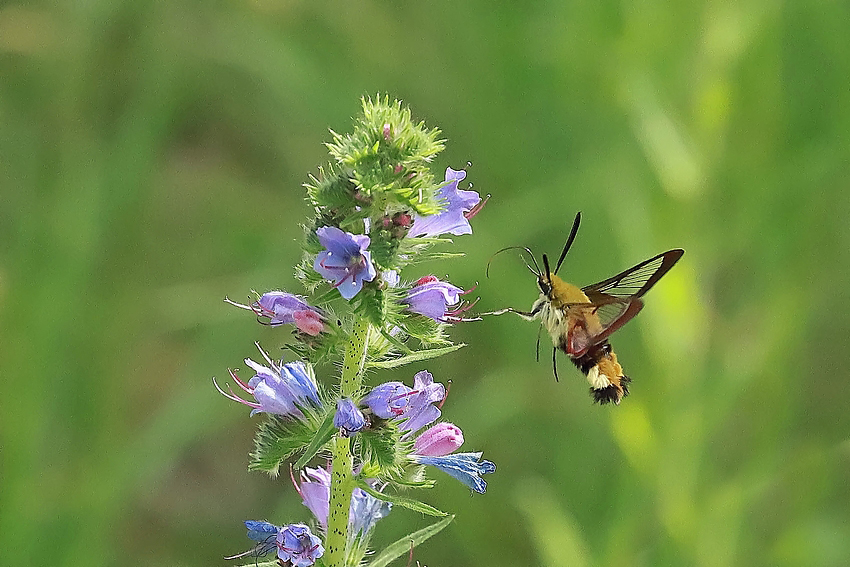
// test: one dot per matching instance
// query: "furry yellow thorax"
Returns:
(564, 293)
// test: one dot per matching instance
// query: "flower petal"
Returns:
(452, 220)
(465, 467)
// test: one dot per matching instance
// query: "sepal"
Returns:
(279, 439)
(382, 451)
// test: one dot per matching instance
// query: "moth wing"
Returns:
(635, 281)
(598, 320)
(614, 315)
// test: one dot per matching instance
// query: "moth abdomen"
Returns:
(604, 373)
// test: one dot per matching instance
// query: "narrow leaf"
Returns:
(401, 501)
(395, 342)
(323, 435)
(402, 546)
(444, 255)
(417, 356)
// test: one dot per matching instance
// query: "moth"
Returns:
(580, 320)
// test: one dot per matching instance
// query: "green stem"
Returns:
(342, 481)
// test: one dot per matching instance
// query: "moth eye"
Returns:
(545, 287)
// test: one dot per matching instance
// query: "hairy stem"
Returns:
(342, 482)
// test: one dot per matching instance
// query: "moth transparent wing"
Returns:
(614, 315)
(635, 281)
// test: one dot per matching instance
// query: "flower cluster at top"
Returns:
(379, 211)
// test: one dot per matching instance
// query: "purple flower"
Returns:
(414, 407)
(345, 261)
(348, 417)
(465, 467)
(421, 410)
(315, 490)
(388, 400)
(365, 509)
(297, 545)
(281, 389)
(432, 298)
(281, 308)
(264, 533)
(461, 206)
(439, 440)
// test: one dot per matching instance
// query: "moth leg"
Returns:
(537, 351)
(555, 363)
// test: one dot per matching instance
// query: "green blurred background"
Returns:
(151, 161)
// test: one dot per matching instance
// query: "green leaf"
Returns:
(417, 356)
(444, 255)
(403, 501)
(322, 436)
(403, 545)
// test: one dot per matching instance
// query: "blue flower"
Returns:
(281, 389)
(264, 533)
(259, 530)
(297, 545)
(348, 417)
(281, 308)
(365, 512)
(465, 467)
(345, 261)
(460, 207)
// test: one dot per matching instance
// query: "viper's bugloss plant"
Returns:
(378, 212)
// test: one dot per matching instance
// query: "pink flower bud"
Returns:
(438, 441)
(308, 321)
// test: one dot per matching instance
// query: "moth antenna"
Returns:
(524, 248)
(569, 243)
(546, 265)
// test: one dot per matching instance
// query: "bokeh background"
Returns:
(151, 161)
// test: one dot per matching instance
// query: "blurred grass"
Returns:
(151, 161)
